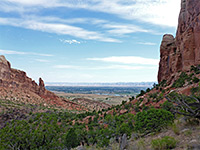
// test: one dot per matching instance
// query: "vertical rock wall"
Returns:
(180, 53)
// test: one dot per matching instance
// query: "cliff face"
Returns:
(16, 86)
(16, 79)
(180, 53)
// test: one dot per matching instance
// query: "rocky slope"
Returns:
(91, 104)
(180, 53)
(16, 86)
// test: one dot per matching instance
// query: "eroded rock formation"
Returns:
(12, 78)
(180, 53)
(15, 85)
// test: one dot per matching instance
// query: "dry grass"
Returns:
(186, 134)
(111, 100)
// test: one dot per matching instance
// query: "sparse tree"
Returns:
(185, 105)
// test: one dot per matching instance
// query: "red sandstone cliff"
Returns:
(15, 85)
(12, 78)
(180, 53)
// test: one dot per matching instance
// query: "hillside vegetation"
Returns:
(158, 118)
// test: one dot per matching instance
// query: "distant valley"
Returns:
(98, 84)
(110, 93)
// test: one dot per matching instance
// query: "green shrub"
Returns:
(148, 90)
(132, 98)
(195, 69)
(164, 143)
(54, 130)
(128, 106)
(167, 105)
(194, 90)
(32, 134)
(195, 80)
(137, 109)
(152, 120)
(163, 83)
(144, 107)
(159, 98)
(124, 128)
(123, 102)
(153, 95)
(155, 86)
(163, 91)
(142, 92)
(71, 139)
(175, 128)
(181, 80)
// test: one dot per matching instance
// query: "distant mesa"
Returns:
(101, 84)
(180, 53)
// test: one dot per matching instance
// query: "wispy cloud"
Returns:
(10, 52)
(93, 21)
(61, 26)
(122, 29)
(62, 29)
(147, 43)
(127, 60)
(142, 10)
(70, 41)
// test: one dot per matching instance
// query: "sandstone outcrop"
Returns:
(180, 53)
(15, 85)
(16, 79)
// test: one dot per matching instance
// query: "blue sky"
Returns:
(86, 40)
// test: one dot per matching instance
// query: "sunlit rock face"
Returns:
(180, 53)
(16, 86)
(16, 79)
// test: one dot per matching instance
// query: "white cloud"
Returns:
(57, 28)
(123, 28)
(127, 60)
(94, 21)
(70, 41)
(10, 52)
(147, 43)
(33, 2)
(159, 12)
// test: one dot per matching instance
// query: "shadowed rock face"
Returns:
(180, 53)
(167, 57)
(12, 78)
